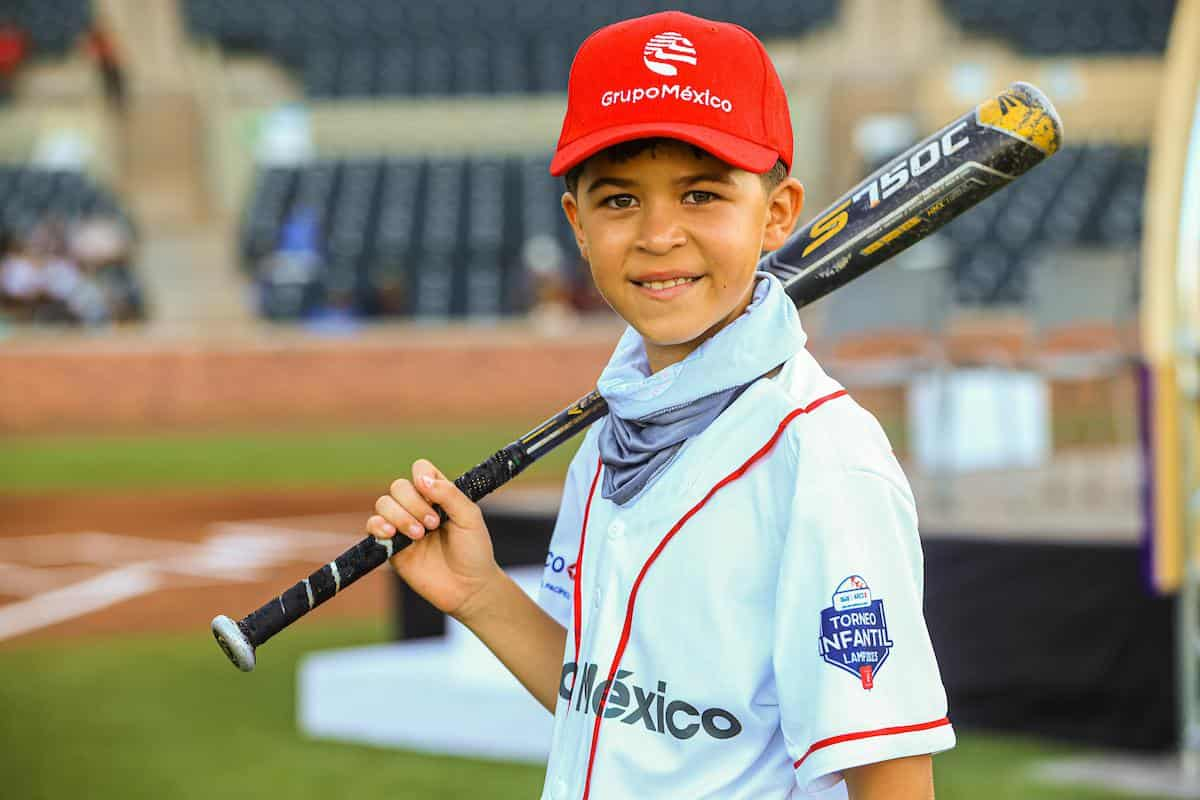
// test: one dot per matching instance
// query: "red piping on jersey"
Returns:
(850, 737)
(587, 509)
(730, 478)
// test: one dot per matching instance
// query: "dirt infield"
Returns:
(117, 563)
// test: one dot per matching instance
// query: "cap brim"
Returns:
(731, 149)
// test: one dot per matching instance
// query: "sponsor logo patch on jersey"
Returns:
(586, 691)
(854, 635)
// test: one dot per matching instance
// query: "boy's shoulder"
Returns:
(827, 431)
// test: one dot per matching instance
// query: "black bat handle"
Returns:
(240, 639)
(489, 475)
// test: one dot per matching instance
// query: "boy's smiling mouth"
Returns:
(664, 286)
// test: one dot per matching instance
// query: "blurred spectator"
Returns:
(38, 284)
(103, 247)
(67, 295)
(286, 276)
(336, 315)
(50, 277)
(552, 310)
(19, 280)
(14, 47)
(99, 45)
(585, 297)
(99, 240)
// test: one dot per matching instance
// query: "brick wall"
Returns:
(406, 374)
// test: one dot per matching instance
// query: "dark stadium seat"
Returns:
(438, 262)
(1057, 27)
(472, 70)
(357, 76)
(485, 257)
(52, 25)
(260, 230)
(397, 70)
(315, 191)
(509, 66)
(551, 63)
(434, 68)
(1121, 221)
(353, 214)
(389, 261)
(321, 68)
(455, 46)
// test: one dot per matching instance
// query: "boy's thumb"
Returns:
(448, 499)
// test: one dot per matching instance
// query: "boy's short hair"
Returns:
(623, 151)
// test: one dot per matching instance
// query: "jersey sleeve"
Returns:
(558, 576)
(855, 669)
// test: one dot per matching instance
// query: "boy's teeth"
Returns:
(659, 285)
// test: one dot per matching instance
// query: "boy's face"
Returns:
(672, 239)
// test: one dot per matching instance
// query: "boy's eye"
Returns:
(618, 201)
(700, 196)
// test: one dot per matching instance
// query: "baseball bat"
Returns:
(903, 201)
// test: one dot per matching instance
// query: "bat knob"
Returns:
(233, 642)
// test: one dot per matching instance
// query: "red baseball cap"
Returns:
(674, 75)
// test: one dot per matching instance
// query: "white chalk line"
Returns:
(21, 580)
(76, 600)
(50, 577)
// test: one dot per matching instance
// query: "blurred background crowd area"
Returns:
(372, 159)
(216, 165)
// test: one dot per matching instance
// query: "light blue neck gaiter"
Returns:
(651, 416)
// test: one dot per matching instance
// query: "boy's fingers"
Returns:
(380, 528)
(396, 515)
(412, 502)
(436, 488)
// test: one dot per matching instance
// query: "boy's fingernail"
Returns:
(431, 521)
(388, 528)
(427, 480)
(415, 529)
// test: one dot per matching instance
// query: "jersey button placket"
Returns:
(616, 531)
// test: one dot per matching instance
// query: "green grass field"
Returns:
(166, 716)
(253, 460)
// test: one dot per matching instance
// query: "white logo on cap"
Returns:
(667, 47)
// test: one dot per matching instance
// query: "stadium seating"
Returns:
(29, 194)
(52, 25)
(1086, 196)
(1056, 27)
(368, 48)
(431, 238)
(448, 233)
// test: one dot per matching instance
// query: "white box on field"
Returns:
(448, 696)
(978, 418)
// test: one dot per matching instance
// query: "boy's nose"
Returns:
(660, 231)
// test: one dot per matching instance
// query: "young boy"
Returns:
(732, 607)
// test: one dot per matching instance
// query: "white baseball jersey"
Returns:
(755, 613)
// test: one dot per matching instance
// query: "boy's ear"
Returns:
(783, 212)
(571, 208)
